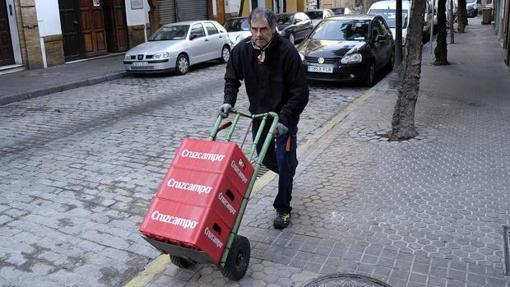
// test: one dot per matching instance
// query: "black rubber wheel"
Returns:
(182, 65)
(238, 259)
(391, 62)
(225, 54)
(181, 262)
(370, 78)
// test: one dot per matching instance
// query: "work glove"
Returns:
(225, 109)
(281, 129)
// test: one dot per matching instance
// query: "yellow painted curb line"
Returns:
(145, 277)
(161, 262)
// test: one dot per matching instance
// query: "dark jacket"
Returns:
(276, 85)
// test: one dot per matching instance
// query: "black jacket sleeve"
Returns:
(297, 88)
(233, 76)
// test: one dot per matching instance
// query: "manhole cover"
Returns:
(345, 280)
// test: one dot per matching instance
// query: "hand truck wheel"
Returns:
(181, 262)
(238, 259)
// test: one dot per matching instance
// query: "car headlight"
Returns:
(352, 59)
(163, 55)
(127, 57)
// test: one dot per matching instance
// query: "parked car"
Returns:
(177, 46)
(341, 11)
(317, 15)
(387, 9)
(294, 26)
(472, 8)
(348, 48)
(238, 28)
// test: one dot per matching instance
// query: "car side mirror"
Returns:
(193, 36)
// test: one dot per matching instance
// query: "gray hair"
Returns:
(261, 13)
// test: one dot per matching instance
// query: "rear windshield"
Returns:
(176, 32)
(314, 14)
(346, 29)
(236, 25)
(283, 19)
(338, 11)
(390, 16)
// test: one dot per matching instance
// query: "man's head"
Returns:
(262, 26)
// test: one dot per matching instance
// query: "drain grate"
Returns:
(507, 249)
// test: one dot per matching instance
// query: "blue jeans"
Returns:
(280, 161)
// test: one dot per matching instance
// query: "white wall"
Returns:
(48, 17)
(137, 16)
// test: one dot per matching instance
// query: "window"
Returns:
(344, 29)
(197, 31)
(211, 29)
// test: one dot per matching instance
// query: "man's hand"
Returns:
(281, 129)
(225, 109)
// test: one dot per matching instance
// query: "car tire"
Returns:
(292, 39)
(391, 62)
(370, 78)
(225, 54)
(182, 64)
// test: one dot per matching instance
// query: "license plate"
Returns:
(139, 64)
(320, 69)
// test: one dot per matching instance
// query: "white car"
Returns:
(238, 28)
(177, 46)
(387, 9)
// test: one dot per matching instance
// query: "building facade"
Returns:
(501, 17)
(42, 33)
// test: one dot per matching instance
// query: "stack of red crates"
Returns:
(197, 203)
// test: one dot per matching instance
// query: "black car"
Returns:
(348, 48)
(294, 26)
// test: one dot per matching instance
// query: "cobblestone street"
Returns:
(79, 168)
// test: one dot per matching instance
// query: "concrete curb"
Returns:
(64, 87)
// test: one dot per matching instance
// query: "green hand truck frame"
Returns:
(236, 255)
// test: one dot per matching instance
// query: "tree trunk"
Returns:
(461, 16)
(403, 127)
(441, 50)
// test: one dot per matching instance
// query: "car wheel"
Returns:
(225, 54)
(369, 80)
(291, 38)
(391, 62)
(182, 65)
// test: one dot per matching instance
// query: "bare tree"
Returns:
(441, 50)
(403, 127)
(461, 16)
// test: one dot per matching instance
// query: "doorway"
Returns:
(71, 29)
(6, 53)
(115, 25)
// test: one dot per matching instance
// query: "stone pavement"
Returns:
(426, 212)
(28, 84)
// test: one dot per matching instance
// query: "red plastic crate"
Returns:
(191, 226)
(215, 157)
(205, 189)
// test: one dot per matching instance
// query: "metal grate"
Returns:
(507, 249)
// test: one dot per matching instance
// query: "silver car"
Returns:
(177, 46)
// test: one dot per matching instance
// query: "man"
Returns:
(273, 74)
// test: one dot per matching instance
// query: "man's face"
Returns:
(261, 32)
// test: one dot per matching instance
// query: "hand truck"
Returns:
(236, 254)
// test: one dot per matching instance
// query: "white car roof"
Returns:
(392, 4)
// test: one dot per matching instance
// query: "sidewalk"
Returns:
(27, 84)
(426, 212)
